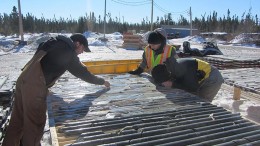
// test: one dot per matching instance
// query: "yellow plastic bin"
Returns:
(87, 63)
(112, 66)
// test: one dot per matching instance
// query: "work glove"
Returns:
(138, 71)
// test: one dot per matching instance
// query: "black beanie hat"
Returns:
(155, 38)
(77, 37)
(160, 73)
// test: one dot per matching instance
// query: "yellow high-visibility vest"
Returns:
(152, 61)
(204, 66)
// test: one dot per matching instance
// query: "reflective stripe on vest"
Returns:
(152, 61)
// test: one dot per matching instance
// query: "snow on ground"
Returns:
(247, 108)
(191, 39)
(2, 52)
(9, 44)
(112, 50)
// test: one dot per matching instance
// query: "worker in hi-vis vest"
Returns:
(156, 52)
(189, 74)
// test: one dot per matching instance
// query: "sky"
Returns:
(132, 11)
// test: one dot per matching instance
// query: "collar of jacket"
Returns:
(160, 50)
(66, 40)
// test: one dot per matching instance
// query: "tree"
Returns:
(6, 25)
(169, 19)
(81, 26)
(14, 21)
(228, 23)
(214, 21)
(28, 23)
(183, 21)
(1, 23)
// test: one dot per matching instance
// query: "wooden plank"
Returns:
(53, 132)
(237, 93)
(244, 94)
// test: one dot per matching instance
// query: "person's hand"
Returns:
(138, 71)
(107, 84)
(167, 84)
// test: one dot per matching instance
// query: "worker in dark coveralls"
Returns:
(156, 52)
(50, 61)
(192, 75)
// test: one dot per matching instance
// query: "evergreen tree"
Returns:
(206, 23)
(81, 25)
(6, 25)
(1, 24)
(14, 21)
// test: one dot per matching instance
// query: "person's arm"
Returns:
(79, 70)
(173, 53)
(177, 84)
(143, 64)
(188, 82)
(177, 70)
(183, 74)
(140, 68)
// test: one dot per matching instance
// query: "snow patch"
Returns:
(97, 43)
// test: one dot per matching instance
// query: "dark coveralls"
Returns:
(186, 75)
(50, 61)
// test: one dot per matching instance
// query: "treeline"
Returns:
(9, 23)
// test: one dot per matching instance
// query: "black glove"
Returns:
(200, 74)
(138, 71)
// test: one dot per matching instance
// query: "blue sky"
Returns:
(128, 12)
